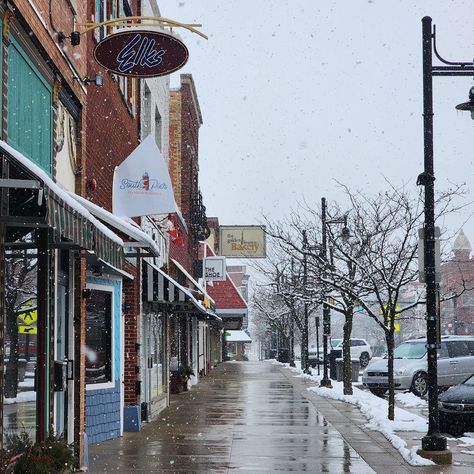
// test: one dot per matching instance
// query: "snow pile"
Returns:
(467, 441)
(375, 409)
(22, 397)
(410, 400)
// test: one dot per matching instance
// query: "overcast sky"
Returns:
(295, 94)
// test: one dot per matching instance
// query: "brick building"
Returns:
(457, 277)
(43, 129)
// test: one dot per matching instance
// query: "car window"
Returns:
(469, 381)
(470, 344)
(443, 351)
(354, 343)
(410, 350)
(458, 349)
(335, 342)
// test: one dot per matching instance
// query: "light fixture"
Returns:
(75, 37)
(468, 105)
(98, 80)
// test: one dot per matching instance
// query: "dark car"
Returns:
(456, 408)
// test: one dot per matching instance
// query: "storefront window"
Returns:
(99, 337)
(20, 344)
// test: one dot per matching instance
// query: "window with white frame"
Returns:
(99, 337)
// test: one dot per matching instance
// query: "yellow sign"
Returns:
(27, 329)
(29, 317)
(242, 241)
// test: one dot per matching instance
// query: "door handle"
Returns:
(453, 362)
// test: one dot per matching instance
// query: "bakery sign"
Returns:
(242, 241)
(214, 269)
(141, 53)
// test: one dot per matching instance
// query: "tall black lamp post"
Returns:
(326, 381)
(434, 444)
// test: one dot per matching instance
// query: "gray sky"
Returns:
(295, 94)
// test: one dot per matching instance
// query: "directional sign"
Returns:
(27, 329)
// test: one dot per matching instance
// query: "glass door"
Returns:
(60, 362)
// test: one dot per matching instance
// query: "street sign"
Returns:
(141, 53)
(29, 317)
(27, 330)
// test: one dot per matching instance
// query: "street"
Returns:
(253, 417)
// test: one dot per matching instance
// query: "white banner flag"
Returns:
(142, 184)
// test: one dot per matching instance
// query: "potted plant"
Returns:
(21, 455)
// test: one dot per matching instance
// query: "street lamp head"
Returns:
(345, 233)
(468, 105)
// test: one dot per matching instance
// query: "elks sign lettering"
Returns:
(141, 53)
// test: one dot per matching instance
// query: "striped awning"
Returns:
(57, 209)
(159, 287)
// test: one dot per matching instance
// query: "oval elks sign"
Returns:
(141, 53)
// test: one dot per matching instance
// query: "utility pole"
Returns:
(292, 320)
(325, 381)
(305, 361)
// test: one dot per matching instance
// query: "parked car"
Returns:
(360, 349)
(456, 408)
(455, 364)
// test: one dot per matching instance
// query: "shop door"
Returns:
(63, 385)
(60, 357)
(154, 367)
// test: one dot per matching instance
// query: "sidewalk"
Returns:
(254, 417)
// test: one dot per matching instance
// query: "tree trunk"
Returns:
(11, 367)
(389, 337)
(346, 351)
(292, 342)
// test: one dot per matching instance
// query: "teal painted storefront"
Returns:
(29, 104)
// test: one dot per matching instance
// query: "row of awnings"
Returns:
(33, 199)
(30, 198)
(159, 287)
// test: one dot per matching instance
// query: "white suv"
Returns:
(359, 350)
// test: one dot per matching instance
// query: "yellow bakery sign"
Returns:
(242, 241)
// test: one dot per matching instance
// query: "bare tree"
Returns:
(372, 267)
(383, 251)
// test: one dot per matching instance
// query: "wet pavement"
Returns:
(243, 417)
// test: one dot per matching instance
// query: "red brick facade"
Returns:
(113, 133)
(185, 120)
(457, 315)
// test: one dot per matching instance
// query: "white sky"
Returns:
(295, 94)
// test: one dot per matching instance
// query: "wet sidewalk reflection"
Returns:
(243, 417)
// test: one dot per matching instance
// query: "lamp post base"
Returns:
(326, 383)
(443, 457)
(434, 442)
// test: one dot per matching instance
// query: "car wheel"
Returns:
(419, 384)
(364, 359)
(379, 392)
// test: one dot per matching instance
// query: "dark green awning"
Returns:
(34, 199)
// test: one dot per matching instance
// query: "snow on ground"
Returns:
(467, 441)
(21, 398)
(410, 400)
(375, 409)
